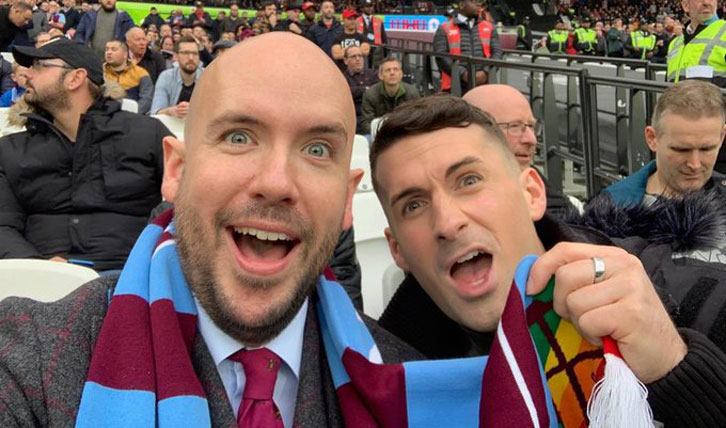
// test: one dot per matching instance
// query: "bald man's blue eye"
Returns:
(238, 138)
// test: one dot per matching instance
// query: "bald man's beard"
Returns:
(198, 254)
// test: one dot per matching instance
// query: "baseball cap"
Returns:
(309, 5)
(222, 44)
(74, 54)
(349, 13)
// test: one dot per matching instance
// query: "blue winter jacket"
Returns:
(85, 29)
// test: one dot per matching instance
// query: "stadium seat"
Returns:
(130, 105)
(375, 124)
(41, 280)
(372, 250)
(360, 160)
(175, 125)
(6, 129)
(8, 56)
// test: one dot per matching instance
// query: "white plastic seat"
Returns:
(129, 105)
(175, 125)
(8, 56)
(375, 124)
(359, 160)
(41, 280)
(372, 250)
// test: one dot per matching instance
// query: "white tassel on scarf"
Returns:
(619, 399)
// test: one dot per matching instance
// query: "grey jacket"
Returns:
(376, 103)
(168, 87)
(47, 349)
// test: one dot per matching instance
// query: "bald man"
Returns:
(514, 116)
(259, 205)
(141, 55)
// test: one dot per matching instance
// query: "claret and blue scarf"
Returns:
(539, 373)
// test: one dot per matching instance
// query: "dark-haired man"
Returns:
(134, 79)
(173, 90)
(96, 168)
(385, 95)
(359, 79)
(99, 26)
(219, 317)
(462, 214)
(327, 28)
(13, 20)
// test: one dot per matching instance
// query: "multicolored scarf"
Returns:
(141, 371)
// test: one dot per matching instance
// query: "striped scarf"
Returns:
(141, 371)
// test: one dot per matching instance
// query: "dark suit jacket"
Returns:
(45, 351)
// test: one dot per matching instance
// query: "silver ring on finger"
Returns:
(599, 265)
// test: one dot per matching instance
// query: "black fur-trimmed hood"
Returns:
(696, 221)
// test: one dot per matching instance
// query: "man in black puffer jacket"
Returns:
(82, 180)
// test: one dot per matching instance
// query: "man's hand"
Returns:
(623, 304)
(58, 259)
(272, 19)
(180, 110)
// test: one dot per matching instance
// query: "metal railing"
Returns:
(634, 101)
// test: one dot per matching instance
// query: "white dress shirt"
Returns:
(287, 345)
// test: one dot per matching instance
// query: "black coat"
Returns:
(323, 36)
(85, 200)
(154, 63)
(693, 291)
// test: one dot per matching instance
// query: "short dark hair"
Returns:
(387, 60)
(185, 39)
(121, 43)
(429, 114)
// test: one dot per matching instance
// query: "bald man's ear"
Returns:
(534, 193)
(354, 178)
(174, 151)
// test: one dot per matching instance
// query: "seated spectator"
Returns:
(387, 94)
(134, 79)
(152, 37)
(175, 86)
(56, 19)
(41, 39)
(292, 22)
(349, 37)
(359, 79)
(514, 117)
(327, 29)
(233, 20)
(462, 215)
(165, 30)
(242, 32)
(73, 17)
(139, 52)
(153, 18)
(221, 47)
(13, 20)
(228, 36)
(177, 19)
(200, 17)
(687, 132)
(20, 78)
(6, 75)
(217, 25)
(88, 203)
(309, 10)
(166, 48)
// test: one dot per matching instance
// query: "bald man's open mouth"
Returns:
(263, 250)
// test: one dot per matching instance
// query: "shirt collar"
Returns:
(287, 345)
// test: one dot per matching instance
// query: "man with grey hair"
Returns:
(686, 135)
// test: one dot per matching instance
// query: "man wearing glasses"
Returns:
(359, 78)
(514, 116)
(81, 181)
(175, 86)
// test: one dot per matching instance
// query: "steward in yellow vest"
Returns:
(557, 39)
(699, 52)
(642, 43)
(585, 39)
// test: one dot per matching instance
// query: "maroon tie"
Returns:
(257, 408)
